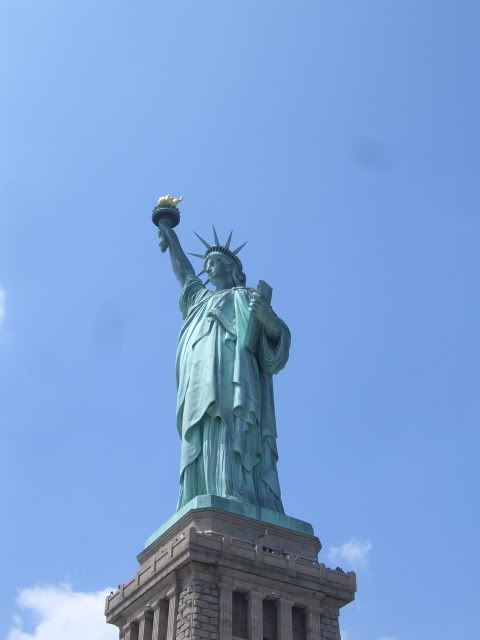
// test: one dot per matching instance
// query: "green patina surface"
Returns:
(225, 405)
(244, 509)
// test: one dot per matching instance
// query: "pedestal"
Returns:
(214, 574)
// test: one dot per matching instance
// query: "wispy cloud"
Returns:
(3, 303)
(61, 613)
(353, 553)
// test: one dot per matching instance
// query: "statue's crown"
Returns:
(217, 247)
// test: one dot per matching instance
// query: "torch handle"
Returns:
(163, 242)
(163, 245)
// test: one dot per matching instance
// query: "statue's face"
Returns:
(219, 270)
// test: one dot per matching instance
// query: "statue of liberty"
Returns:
(225, 406)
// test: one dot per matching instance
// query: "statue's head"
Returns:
(221, 264)
(221, 269)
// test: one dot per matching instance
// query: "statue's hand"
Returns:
(164, 236)
(263, 312)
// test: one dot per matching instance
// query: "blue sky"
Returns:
(342, 140)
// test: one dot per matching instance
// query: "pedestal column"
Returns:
(145, 626)
(172, 615)
(284, 619)
(130, 631)
(314, 630)
(226, 610)
(255, 615)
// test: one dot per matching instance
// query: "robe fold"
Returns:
(225, 407)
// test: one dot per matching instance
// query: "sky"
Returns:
(342, 140)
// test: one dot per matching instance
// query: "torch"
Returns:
(166, 213)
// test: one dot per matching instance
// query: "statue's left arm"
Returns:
(274, 342)
(265, 315)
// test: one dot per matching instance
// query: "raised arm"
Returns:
(181, 265)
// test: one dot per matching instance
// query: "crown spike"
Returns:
(202, 240)
(227, 243)
(200, 274)
(217, 241)
(239, 248)
(206, 281)
(197, 255)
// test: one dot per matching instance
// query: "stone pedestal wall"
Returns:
(198, 612)
(184, 588)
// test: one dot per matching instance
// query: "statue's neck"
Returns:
(226, 284)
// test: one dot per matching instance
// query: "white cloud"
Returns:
(61, 613)
(3, 303)
(353, 553)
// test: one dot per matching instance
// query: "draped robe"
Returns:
(225, 407)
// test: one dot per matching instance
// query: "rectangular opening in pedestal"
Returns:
(160, 621)
(239, 615)
(269, 620)
(299, 627)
